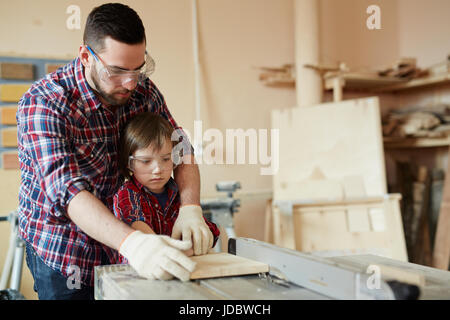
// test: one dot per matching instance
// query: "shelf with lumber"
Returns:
(409, 143)
(403, 75)
(350, 81)
(367, 82)
(278, 77)
(279, 82)
(362, 81)
(437, 79)
(377, 84)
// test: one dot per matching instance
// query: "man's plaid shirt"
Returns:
(68, 142)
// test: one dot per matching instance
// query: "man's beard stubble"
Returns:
(109, 98)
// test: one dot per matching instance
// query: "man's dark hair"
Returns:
(115, 20)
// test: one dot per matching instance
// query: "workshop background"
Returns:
(236, 39)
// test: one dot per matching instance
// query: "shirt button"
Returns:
(156, 205)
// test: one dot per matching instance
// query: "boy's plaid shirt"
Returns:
(133, 202)
(68, 142)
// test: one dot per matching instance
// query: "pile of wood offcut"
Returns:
(418, 122)
(283, 75)
(405, 68)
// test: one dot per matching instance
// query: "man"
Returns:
(68, 131)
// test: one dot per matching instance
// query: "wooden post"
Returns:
(338, 85)
(268, 228)
(441, 252)
(307, 39)
(421, 250)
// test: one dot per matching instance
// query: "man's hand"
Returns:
(190, 225)
(157, 257)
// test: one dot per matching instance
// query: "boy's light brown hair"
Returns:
(141, 131)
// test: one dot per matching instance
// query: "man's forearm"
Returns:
(187, 177)
(96, 220)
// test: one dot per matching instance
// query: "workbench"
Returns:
(324, 278)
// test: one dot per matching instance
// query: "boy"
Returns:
(149, 201)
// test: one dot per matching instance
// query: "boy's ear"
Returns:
(130, 172)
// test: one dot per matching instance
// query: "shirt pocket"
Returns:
(92, 158)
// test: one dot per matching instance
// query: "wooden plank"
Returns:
(223, 264)
(377, 219)
(8, 114)
(377, 84)
(288, 82)
(10, 160)
(9, 137)
(12, 92)
(52, 67)
(418, 83)
(362, 80)
(407, 143)
(394, 230)
(326, 229)
(312, 189)
(16, 71)
(330, 203)
(268, 226)
(330, 152)
(405, 179)
(441, 252)
(437, 187)
(337, 84)
(339, 139)
(437, 282)
(283, 229)
(422, 246)
(402, 275)
(307, 42)
(357, 218)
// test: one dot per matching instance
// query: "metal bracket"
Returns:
(314, 273)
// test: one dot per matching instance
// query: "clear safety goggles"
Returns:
(148, 165)
(119, 76)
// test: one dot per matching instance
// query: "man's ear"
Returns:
(84, 55)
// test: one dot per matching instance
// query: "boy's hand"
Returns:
(190, 225)
(157, 257)
(189, 252)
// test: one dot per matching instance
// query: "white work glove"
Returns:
(157, 256)
(190, 225)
